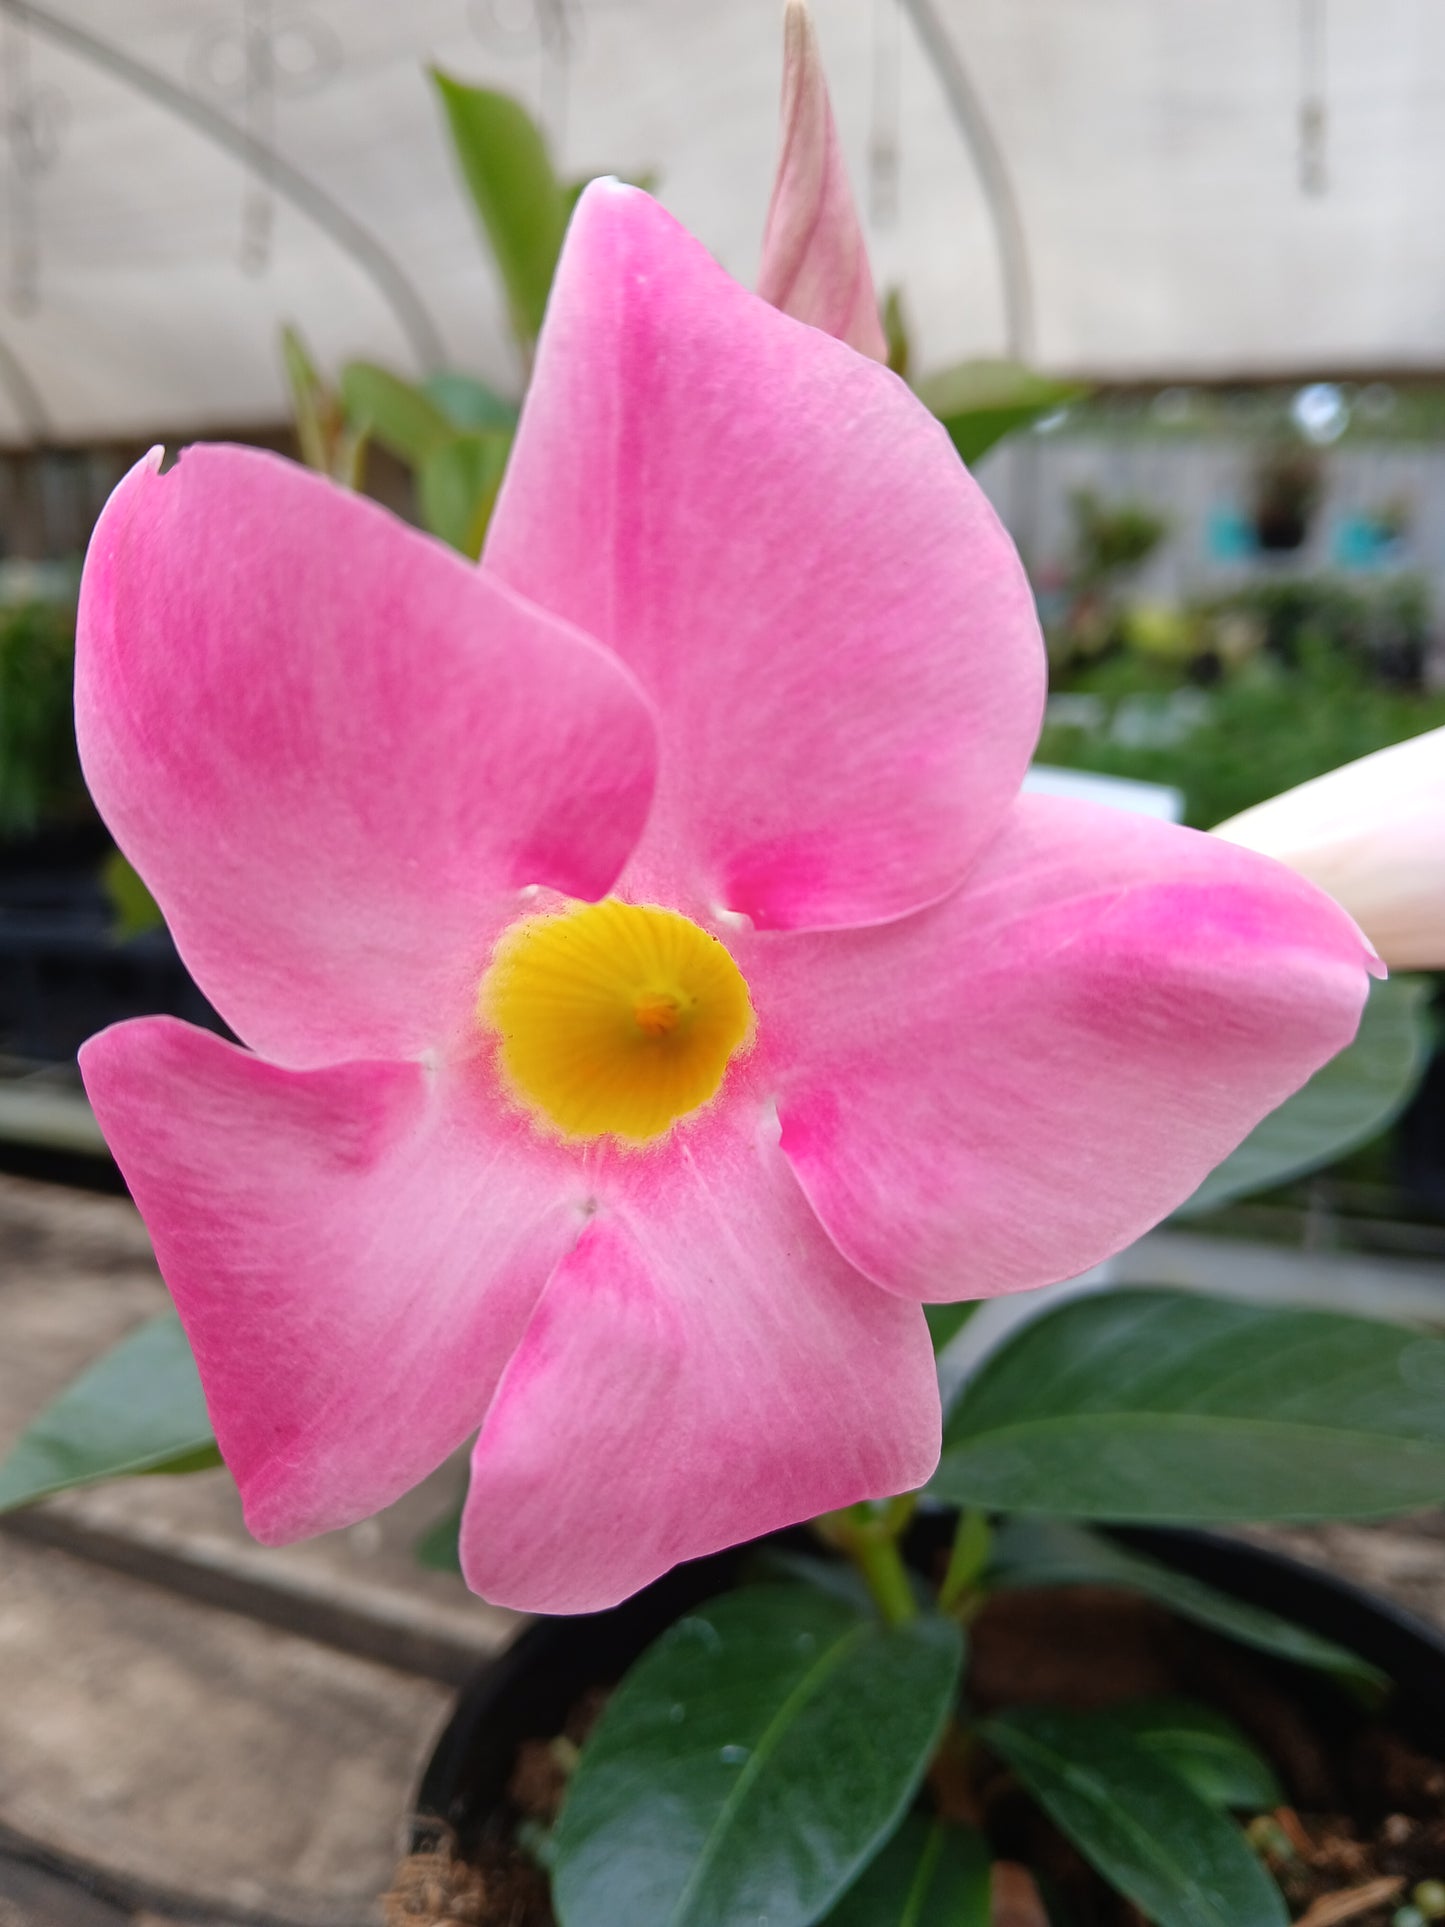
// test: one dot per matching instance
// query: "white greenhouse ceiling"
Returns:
(1134, 189)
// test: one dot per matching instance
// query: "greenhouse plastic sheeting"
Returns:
(1137, 189)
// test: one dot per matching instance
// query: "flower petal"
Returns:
(1373, 834)
(815, 263)
(1004, 1090)
(354, 1253)
(703, 1368)
(778, 539)
(334, 752)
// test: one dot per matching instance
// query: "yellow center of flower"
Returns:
(615, 1019)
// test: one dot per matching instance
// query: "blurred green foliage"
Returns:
(133, 908)
(1110, 539)
(979, 402)
(39, 768)
(1275, 721)
(328, 440)
(520, 202)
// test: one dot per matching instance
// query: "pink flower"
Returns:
(1372, 833)
(648, 1192)
(815, 264)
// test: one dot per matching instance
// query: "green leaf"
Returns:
(751, 1763)
(839, 1577)
(1169, 1407)
(458, 484)
(1345, 1104)
(522, 205)
(326, 440)
(134, 910)
(1204, 1748)
(929, 1875)
(396, 413)
(1140, 1825)
(439, 1549)
(137, 1409)
(1049, 1552)
(308, 395)
(896, 332)
(979, 402)
(945, 1322)
(468, 403)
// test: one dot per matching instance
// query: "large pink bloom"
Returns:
(747, 643)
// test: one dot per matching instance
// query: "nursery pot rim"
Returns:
(527, 1690)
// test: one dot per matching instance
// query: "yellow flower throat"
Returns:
(614, 1019)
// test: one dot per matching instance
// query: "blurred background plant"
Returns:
(40, 780)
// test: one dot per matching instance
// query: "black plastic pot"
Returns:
(529, 1690)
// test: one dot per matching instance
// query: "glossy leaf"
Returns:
(137, 1409)
(929, 1875)
(1204, 1748)
(1345, 1104)
(1169, 1407)
(1140, 1825)
(522, 205)
(979, 402)
(1052, 1552)
(837, 1576)
(458, 487)
(752, 1763)
(400, 416)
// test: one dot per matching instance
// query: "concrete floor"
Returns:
(207, 1728)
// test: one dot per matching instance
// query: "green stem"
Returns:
(898, 1513)
(877, 1557)
(967, 1562)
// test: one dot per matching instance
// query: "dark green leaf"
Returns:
(1169, 1407)
(1143, 1827)
(1050, 1552)
(838, 1577)
(751, 1763)
(1345, 1104)
(979, 402)
(468, 403)
(396, 413)
(522, 205)
(929, 1875)
(138, 1409)
(945, 1322)
(458, 487)
(1204, 1748)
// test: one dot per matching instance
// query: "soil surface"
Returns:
(1364, 1824)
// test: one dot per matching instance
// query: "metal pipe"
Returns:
(998, 191)
(343, 228)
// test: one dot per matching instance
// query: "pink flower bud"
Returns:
(814, 264)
